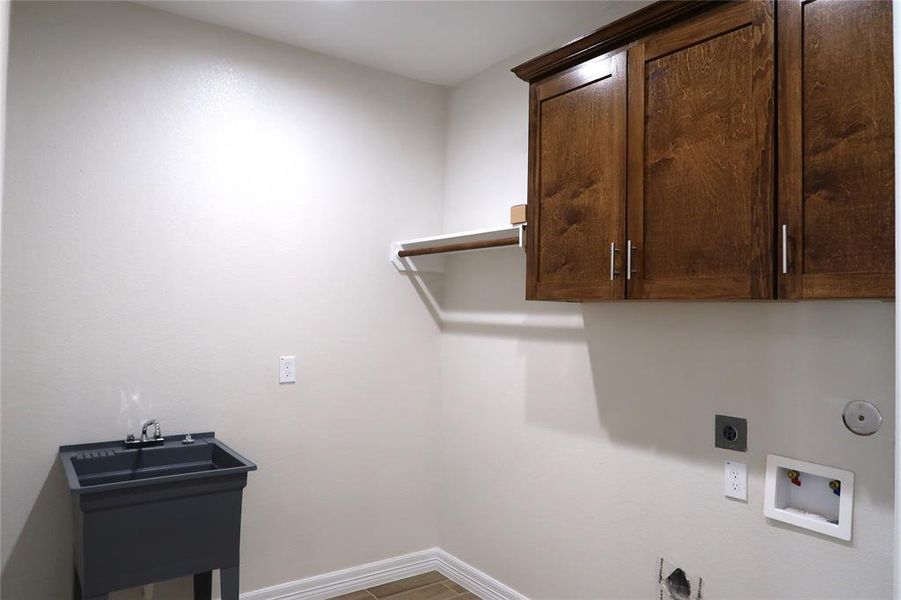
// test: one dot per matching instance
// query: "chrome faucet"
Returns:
(146, 441)
(157, 433)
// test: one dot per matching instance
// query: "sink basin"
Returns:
(156, 512)
(107, 466)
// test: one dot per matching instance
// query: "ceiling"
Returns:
(437, 41)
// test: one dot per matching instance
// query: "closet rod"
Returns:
(460, 246)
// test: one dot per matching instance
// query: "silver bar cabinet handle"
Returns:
(784, 249)
(613, 251)
(629, 270)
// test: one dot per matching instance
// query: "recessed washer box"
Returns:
(808, 495)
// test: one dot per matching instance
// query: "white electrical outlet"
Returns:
(736, 482)
(286, 371)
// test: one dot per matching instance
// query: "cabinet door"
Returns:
(700, 208)
(577, 183)
(836, 156)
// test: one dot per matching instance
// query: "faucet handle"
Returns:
(157, 432)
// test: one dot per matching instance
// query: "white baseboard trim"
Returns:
(481, 584)
(329, 585)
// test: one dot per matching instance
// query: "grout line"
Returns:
(443, 582)
(459, 594)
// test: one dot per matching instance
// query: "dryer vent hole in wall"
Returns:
(861, 417)
(675, 584)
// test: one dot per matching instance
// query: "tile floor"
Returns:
(428, 586)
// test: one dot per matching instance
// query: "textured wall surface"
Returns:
(185, 204)
(578, 440)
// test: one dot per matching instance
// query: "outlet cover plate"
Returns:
(730, 433)
(736, 480)
(287, 372)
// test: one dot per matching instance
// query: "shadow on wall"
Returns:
(652, 375)
(34, 547)
(43, 551)
(661, 371)
(482, 293)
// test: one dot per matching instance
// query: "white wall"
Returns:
(184, 204)
(578, 440)
(4, 51)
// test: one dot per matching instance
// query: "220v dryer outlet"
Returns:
(730, 433)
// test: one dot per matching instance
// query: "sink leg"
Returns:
(203, 586)
(228, 581)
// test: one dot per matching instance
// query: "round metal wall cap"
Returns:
(862, 418)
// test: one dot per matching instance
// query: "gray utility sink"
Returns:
(155, 512)
(111, 466)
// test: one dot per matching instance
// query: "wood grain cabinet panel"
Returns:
(676, 180)
(577, 183)
(700, 162)
(836, 168)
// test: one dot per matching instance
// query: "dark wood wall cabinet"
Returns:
(578, 177)
(680, 153)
